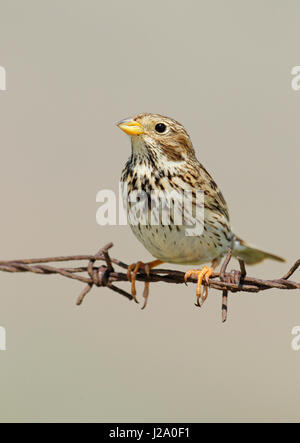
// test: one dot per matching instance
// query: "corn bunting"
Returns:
(163, 159)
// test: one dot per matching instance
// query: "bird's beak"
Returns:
(131, 127)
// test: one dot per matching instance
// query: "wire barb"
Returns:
(104, 275)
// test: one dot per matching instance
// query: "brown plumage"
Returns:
(163, 159)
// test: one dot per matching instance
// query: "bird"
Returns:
(163, 160)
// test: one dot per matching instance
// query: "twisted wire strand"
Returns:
(104, 275)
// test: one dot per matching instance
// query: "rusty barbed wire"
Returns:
(104, 275)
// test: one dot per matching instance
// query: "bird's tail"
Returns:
(251, 255)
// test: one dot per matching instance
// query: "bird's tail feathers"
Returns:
(250, 254)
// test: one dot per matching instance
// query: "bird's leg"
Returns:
(132, 273)
(205, 273)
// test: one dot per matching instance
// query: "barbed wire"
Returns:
(105, 275)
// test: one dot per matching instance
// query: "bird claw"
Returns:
(132, 271)
(201, 274)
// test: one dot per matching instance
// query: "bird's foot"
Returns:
(132, 271)
(201, 274)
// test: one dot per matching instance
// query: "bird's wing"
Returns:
(214, 199)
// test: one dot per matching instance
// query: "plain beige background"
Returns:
(74, 67)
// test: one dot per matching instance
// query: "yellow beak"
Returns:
(131, 127)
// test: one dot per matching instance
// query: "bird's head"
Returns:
(161, 135)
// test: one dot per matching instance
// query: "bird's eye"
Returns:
(161, 128)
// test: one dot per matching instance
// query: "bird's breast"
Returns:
(152, 220)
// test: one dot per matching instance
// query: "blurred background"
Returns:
(74, 68)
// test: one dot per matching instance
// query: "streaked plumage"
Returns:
(166, 161)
